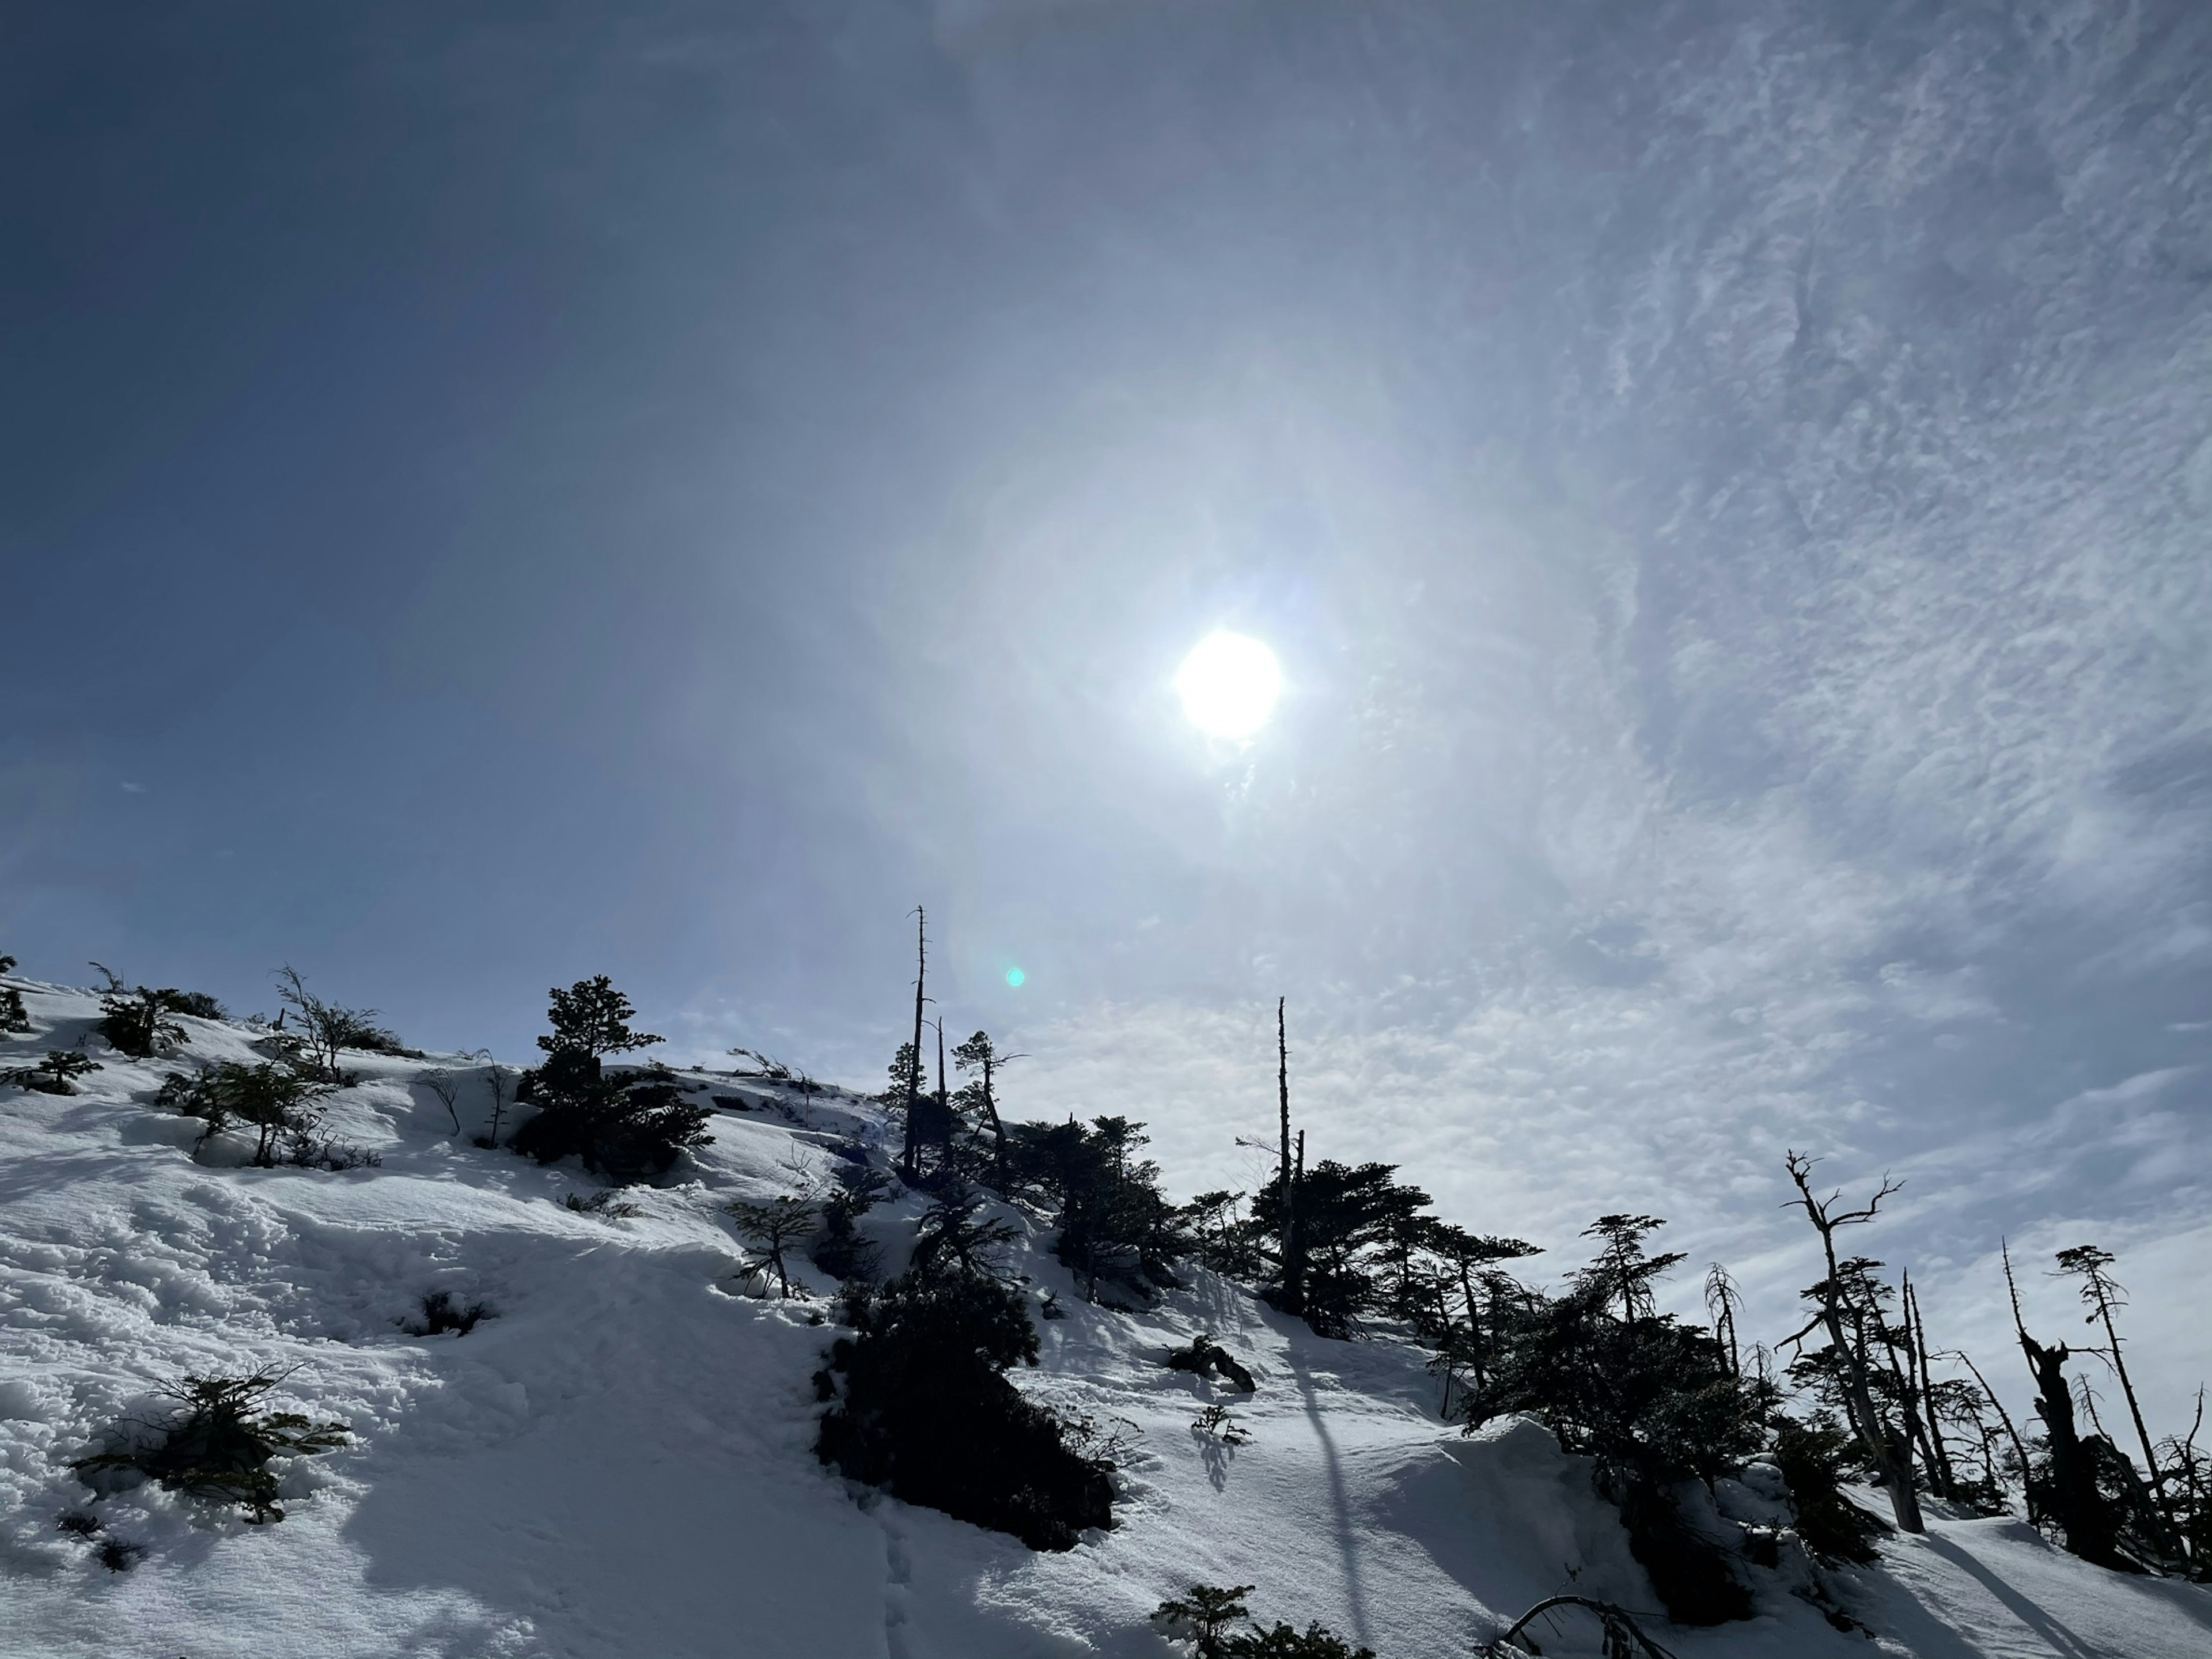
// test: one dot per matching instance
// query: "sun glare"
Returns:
(1229, 684)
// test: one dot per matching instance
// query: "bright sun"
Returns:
(1229, 684)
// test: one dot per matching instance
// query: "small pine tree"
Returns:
(1202, 1614)
(13, 1017)
(273, 1100)
(628, 1128)
(52, 1075)
(140, 1025)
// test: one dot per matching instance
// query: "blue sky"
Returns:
(490, 499)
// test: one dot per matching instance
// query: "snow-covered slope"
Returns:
(618, 1465)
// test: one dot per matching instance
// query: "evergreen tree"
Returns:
(628, 1126)
(13, 1017)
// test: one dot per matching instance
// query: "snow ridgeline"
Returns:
(620, 1463)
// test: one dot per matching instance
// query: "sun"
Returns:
(1229, 684)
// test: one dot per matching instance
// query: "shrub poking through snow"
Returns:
(628, 1127)
(839, 1249)
(927, 1414)
(141, 1024)
(78, 1523)
(1202, 1616)
(1816, 1455)
(771, 1229)
(1207, 1358)
(219, 1443)
(325, 1029)
(51, 1075)
(441, 1314)
(1215, 1423)
(117, 1555)
(606, 1202)
(271, 1098)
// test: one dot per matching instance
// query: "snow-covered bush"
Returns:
(927, 1414)
(218, 1443)
(441, 1314)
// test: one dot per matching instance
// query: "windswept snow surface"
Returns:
(619, 1465)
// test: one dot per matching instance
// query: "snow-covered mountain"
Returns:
(619, 1464)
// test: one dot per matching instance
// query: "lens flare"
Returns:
(1229, 684)
(1015, 976)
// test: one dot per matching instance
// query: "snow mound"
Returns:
(619, 1463)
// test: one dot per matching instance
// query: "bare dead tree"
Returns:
(1723, 1298)
(2019, 1446)
(500, 1095)
(1892, 1453)
(1917, 1335)
(1293, 1265)
(2074, 1500)
(447, 1087)
(913, 1078)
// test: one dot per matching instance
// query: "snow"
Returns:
(620, 1462)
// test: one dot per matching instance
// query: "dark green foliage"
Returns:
(218, 1443)
(1652, 1402)
(13, 1017)
(592, 1018)
(839, 1250)
(628, 1127)
(271, 1099)
(1202, 1616)
(1816, 1455)
(950, 1237)
(78, 1523)
(927, 1414)
(1114, 1224)
(51, 1075)
(1347, 1218)
(198, 1004)
(441, 1314)
(117, 1555)
(1207, 1358)
(141, 1024)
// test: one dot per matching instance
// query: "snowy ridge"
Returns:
(619, 1465)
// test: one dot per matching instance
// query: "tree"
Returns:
(1651, 1401)
(627, 1127)
(140, 1025)
(2101, 1293)
(907, 1167)
(926, 1412)
(273, 1099)
(772, 1227)
(979, 1055)
(1201, 1614)
(1892, 1453)
(13, 1017)
(592, 1018)
(1291, 1295)
(52, 1075)
(326, 1029)
(1622, 1269)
